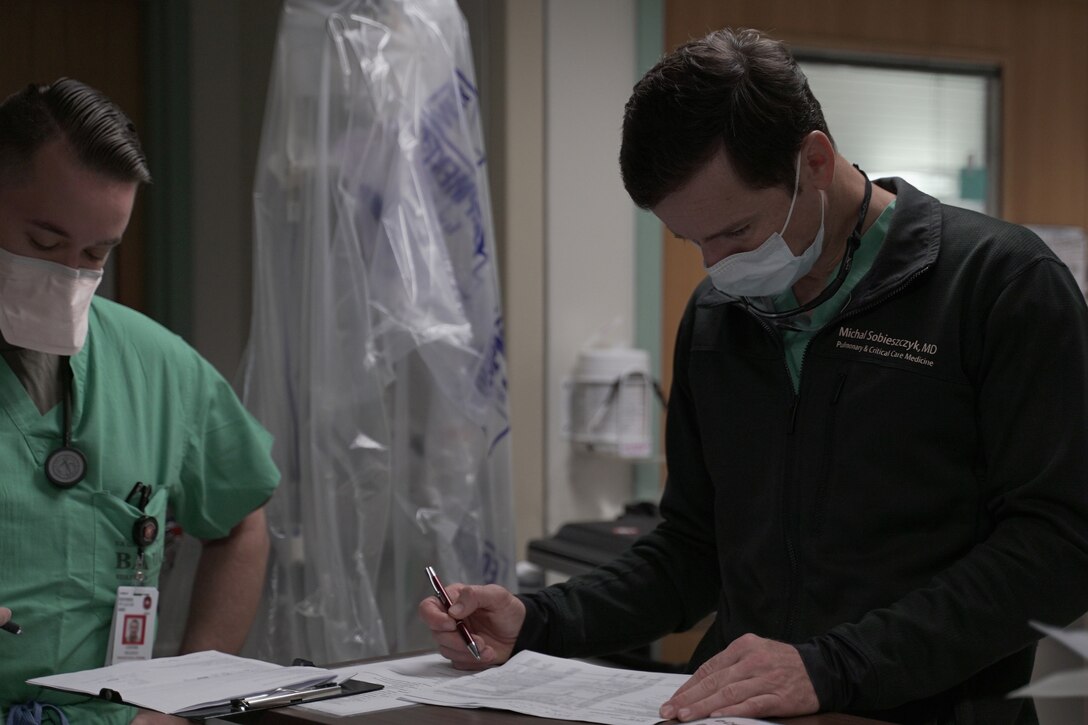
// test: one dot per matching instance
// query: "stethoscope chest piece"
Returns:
(65, 467)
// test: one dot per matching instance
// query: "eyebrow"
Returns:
(732, 226)
(54, 229)
(51, 228)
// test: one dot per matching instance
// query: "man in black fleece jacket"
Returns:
(877, 434)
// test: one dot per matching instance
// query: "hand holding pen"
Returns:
(496, 618)
(440, 592)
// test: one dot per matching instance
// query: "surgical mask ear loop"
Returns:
(793, 201)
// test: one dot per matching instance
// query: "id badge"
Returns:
(132, 635)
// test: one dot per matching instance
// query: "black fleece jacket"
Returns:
(904, 515)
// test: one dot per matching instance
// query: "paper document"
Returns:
(543, 686)
(176, 685)
(401, 677)
(1069, 683)
(1074, 640)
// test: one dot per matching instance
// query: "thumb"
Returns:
(470, 598)
(465, 600)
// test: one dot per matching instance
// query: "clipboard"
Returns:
(280, 697)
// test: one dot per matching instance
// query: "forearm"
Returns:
(227, 588)
(666, 582)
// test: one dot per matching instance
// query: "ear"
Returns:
(817, 160)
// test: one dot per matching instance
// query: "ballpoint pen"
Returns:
(440, 592)
(12, 627)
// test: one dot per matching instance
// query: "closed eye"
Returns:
(38, 245)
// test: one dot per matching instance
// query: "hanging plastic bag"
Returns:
(376, 351)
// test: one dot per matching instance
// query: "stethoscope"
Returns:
(66, 466)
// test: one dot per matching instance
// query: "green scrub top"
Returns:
(796, 339)
(146, 408)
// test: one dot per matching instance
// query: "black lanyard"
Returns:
(66, 466)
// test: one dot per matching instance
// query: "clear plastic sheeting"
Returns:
(376, 352)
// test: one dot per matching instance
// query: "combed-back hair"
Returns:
(101, 135)
(736, 90)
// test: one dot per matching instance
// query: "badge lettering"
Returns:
(880, 344)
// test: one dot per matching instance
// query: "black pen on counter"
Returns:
(440, 592)
(12, 627)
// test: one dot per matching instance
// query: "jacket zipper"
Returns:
(787, 518)
(791, 517)
(825, 473)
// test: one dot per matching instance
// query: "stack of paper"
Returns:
(398, 677)
(1070, 683)
(430, 678)
(529, 683)
(563, 689)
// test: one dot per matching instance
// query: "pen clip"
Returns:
(285, 696)
(142, 493)
(439, 590)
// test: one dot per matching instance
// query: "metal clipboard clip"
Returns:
(282, 698)
(286, 696)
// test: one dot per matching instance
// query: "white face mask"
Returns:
(44, 305)
(769, 269)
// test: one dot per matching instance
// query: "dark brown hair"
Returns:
(100, 134)
(734, 89)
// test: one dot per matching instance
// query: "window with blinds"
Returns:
(936, 127)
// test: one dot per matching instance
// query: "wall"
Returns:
(100, 43)
(519, 222)
(589, 230)
(230, 55)
(564, 228)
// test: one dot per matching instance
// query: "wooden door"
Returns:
(98, 42)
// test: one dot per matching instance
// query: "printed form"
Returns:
(543, 686)
(416, 679)
(400, 677)
(536, 684)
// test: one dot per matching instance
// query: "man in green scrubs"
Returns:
(94, 399)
